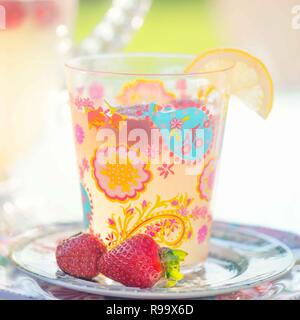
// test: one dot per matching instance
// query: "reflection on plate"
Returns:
(238, 259)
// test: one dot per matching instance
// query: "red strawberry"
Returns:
(78, 255)
(15, 13)
(45, 13)
(140, 262)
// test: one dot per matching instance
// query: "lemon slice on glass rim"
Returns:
(250, 81)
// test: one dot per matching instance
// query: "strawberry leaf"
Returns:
(171, 260)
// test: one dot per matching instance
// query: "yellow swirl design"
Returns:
(163, 215)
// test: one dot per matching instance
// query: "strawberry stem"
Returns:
(171, 260)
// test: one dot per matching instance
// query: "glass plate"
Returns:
(238, 259)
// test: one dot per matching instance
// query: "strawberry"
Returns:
(140, 262)
(15, 13)
(79, 255)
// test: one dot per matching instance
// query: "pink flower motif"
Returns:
(202, 234)
(176, 124)
(206, 181)
(144, 204)
(200, 212)
(80, 103)
(183, 211)
(171, 224)
(111, 222)
(130, 211)
(79, 134)
(110, 239)
(174, 203)
(152, 230)
(96, 91)
(85, 164)
(166, 170)
(120, 180)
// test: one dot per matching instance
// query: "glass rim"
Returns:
(70, 64)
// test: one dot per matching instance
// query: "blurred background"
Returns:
(170, 26)
(259, 175)
(262, 27)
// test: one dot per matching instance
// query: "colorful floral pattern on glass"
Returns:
(117, 180)
(206, 181)
(167, 200)
(168, 221)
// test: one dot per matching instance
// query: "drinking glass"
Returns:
(34, 36)
(30, 59)
(148, 138)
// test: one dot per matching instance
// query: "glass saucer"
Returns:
(238, 259)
